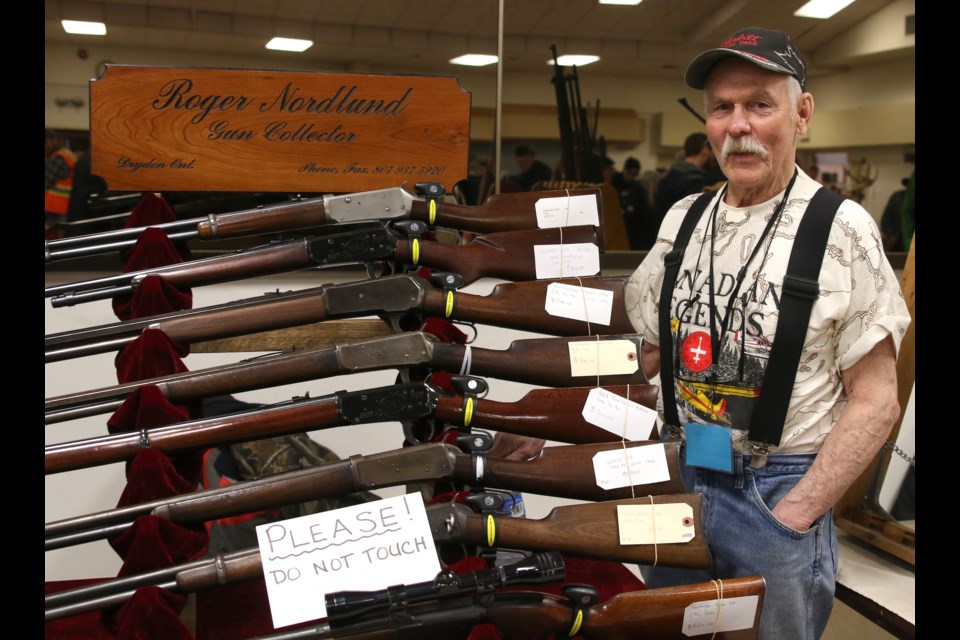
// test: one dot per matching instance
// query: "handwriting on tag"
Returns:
(729, 614)
(603, 357)
(618, 415)
(566, 211)
(631, 466)
(579, 303)
(566, 260)
(655, 523)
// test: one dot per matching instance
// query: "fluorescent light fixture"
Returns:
(821, 8)
(574, 60)
(474, 59)
(289, 44)
(627, 2)
(84, 28)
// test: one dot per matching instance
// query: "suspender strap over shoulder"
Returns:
(671, 268)
(801, 289)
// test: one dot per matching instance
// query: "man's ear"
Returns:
(804, 113)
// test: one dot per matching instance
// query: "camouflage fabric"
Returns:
(224, 466)
(270, 456)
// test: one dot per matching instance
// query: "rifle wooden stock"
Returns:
(589, 530)
(501, 212)
(395, 402)
(532, 361)
(508, 255)
(634, 615)
(552, 414)
(513, 305)
(560, 471)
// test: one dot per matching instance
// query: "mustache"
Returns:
(743, 144)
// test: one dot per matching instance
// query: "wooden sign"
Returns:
(194, 129)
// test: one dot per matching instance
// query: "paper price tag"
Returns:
(618, 415)
(369, 546)
(729, 614)
(567, 212)
(631, 466)
(603, 357)
(566, 260)
(655, 523)
(579, 303)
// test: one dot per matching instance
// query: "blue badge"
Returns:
(709, 446)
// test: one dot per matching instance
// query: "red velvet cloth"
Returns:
(151, 614)
(152, 476)
(156, 543)
(88, 626)
(153, 209)
(154, 296)
(151, 355)
(147, 408)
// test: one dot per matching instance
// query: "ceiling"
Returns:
(656, 38)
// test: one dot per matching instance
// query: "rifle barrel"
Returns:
(515, 305)
(532, 361)
(564, 471)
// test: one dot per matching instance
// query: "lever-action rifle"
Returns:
(241, 566)
(508, 255)
(398, 402)
(564, 471)
(501, 212)
(404, 401)
(661, 613)
(587, 530)
(537, 361)
(398, 298)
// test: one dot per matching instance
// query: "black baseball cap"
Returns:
(765, 48)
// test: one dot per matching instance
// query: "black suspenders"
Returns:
(800, 290)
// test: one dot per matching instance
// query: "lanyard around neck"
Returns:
(716, 336)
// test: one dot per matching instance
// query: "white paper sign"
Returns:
(701, 618)
(566, 260)
(618, 415)
(668, 523)
(567, 212)
(603, 357)
(631, 466)
(579, 303)
(365, 547)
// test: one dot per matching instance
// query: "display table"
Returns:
(878, 586)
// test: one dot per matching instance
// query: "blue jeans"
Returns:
(745, 539)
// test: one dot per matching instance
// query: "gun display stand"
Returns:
(858, 512)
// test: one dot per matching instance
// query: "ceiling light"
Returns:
(84, 28)
(474, 59)
(821, 8)
(289, 44)
(630, 2)
(574, 60)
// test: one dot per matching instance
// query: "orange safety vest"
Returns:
(57, 198)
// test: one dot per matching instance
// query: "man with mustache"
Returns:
(769, 477)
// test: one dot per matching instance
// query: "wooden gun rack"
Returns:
(856, 512)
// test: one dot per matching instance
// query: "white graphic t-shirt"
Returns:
(718, 373)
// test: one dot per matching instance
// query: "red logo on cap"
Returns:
(743, 40)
